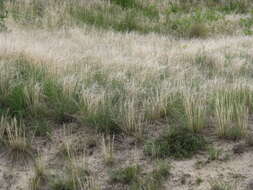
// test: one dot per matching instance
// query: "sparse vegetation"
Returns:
(214, 154)
(108, 150)
(19, 147)
(40, 176)
(74, 177)
(133, 177)
(222, 185)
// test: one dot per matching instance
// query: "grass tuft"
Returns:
(126, 175)
(40, 176)
(178, 143)
(231, 113)
(108, 150)
(20, 149)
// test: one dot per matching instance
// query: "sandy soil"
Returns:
(231, 167)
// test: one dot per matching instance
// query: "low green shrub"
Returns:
(179, 142)
(154, 179)
(126, 175)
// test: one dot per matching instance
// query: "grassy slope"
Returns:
(122, 83)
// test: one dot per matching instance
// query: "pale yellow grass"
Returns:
(148, 58)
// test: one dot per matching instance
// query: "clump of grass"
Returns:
(54, 94)
(195, 112)
(90, 184)
(214, 154)
(179, 142)
(154, 179)
(155, 106)
(231, 114)
(16, 101)
(161, 170)
(21, 93)
(66, 149)
(132, 176)
(98, 110)
(40, 127)
(131, 119)
(40, 177)
(199, 181)
(74, 177)
(20, 148)
(126, 175)
(108, 150)
(159, 174)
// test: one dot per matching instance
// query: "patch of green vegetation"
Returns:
(214, 154)
(31, 93)
(179, 142)
(247, 25)
(105, 18)
(185, 110)
(225, 7)
(231, 109)
(128, 175)
(199, 181)
(59, 102)
(103, 118)
(73, 179)
(18, 98)
(135, 180)
(40, 127)
(125, 3)
(192, 25)
(232, 6)
(15, 102)
(3, 16)
(62, 183)
(154, 179)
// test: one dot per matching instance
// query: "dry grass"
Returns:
(19, 147)
(108, 150)
(156, 69)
